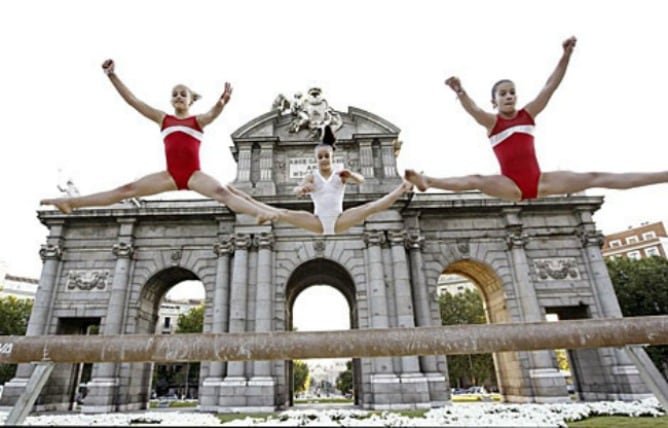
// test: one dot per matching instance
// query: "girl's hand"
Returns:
(454, 83)
(344, 174)
(227, 93)
(304, 189)
(108, 66)
(569, 45)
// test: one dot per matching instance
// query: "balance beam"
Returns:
(442, 340)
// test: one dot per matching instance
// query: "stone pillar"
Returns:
(51, 254)
(233, 388)
(439, 392)
(244, 165)
(402, 293)
(548, 383)
(266, 185)
(385, 385)
(388, 159)
(262, 386)
(413, 383)
(628, 385)
(366, 158)
(210, 391)
(105, 380)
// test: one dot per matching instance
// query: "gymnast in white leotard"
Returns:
(326, 188)
(327, 197)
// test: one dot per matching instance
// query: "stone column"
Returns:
(51, 254)
(629, 384)
(209, 394)
(384, 383)
(102, 387)
(262, 386)
(366, 158)
(438, 391)
(548, 383)
(414, 386)
(41, 310)
(402, 293)
(244, 164)
(233, 388)
(389, 160)
(221, 295)
(264, 301)
(266, 185)
(238, 297)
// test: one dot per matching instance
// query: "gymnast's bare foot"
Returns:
(417, 179)
(267, 216)
(62, 204)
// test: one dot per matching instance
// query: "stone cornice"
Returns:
(426, 204)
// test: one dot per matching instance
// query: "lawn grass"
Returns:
(227, 417)
(154, 404)
(323, 400)
(621, 421)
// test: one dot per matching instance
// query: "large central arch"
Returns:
(322, 271)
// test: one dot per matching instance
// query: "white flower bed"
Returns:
(470, 414)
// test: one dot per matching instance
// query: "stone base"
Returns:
(408, 392)
(549, 386)
(209, 394)
(100, 397)
(439, 393)
(256, 395)
(12, 390)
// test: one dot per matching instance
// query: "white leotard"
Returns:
(327, 197)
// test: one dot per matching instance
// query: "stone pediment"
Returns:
(274, 125)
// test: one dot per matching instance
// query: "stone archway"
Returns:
(507, 367)
(322, 271)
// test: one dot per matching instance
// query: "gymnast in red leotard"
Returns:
(511, 135)
(182, 135)
(512, 141)
(182, 139)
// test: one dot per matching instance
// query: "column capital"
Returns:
(264, 240)
(591, 238)
(122, 249)
(516, 239)
(374, 237)
(414, 241)
(223, 248)
(242, 241)
(397, 237)
(50, 252)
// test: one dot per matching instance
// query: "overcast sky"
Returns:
(61, 113)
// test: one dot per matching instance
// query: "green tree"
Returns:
(466, 308)
(14, 316)
(191, 321)
(302, 375)
(344, 381)
(641, 287)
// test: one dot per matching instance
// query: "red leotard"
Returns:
(512, 141)
(182, 140)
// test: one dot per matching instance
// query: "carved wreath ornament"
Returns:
(556, 269)
(87, 280)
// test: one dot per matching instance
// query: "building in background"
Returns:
(454, 284)
(646, 240)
